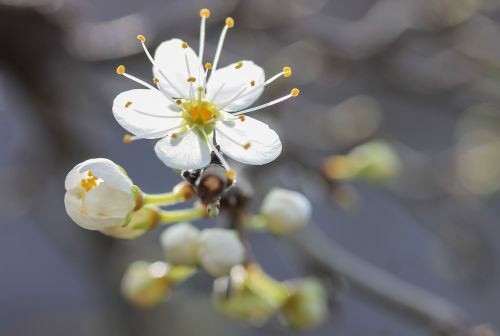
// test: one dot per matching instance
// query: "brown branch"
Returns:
(381, 286)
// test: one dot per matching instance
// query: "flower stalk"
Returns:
(184, 215)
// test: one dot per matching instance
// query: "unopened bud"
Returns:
(146, 284)
(307, 305)
(219, 250)
(180, 244)
(141, 221)
(285, 211)
(375, 161)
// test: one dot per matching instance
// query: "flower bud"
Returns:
(180, 244)
(146, 284)
(285, 211)
(307, 305)
(248, 295)
(99, 194)
(141, 221)
(219, 250)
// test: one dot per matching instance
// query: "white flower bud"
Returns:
(99, 194)
(219, 250)
(141, 221)
(180, 244)
(285, 211)
(146, 284)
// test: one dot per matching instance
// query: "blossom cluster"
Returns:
(199, 113)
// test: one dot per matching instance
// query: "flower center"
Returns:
(200, 113)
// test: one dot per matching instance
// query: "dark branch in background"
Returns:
(409, 300)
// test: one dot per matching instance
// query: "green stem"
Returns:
(164, 199)
(172, 216)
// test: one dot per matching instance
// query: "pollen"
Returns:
(141, 38)
(127, 104)
(184, 45)
(295, 92)
(208, 66)
(230, 174)
(246, 145)
(205, 13)
(252, 83)
(156, 80)
(230, 22)
(120, 69)
(242, 117)
(89, 183)
(127, 138)
(239, 65)
(191, 79)
(287, 71)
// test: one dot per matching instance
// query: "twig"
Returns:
(383, 287)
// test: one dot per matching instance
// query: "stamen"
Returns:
(151, 59)
(121, 71)
(241, 117)
(128, 138)
(246, 145)
(229, 24)
(254, 88)
(293, 93)
(239, 65)
(230, 174)
(178, 101)
(184, 45)
(214, 149)
(191, 79)
(157, 116)
(205, 14)
(127, 104)
(208, 66)
(156, 80)
(287, 71)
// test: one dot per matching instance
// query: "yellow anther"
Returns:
(184, 45)
(120, 70)
(208, 66)
(287, 71)
(229, 22)
(205, 13)
(242, 117)
(246, 145)
(127, 104)
(230, 174)
(90, 182)
(156, 80)
(252, 82)
(200, 89)
(127, 138)
(141, 38)
(178, 101)
(295, 92)
(239, 65)
(174, 135)
(191, 79)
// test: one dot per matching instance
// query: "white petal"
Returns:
(264, 143)
(106, 201)
(170, 58)
(109, 172)
(74, 208)
(187, 151)
(149, 115)
(235, 81)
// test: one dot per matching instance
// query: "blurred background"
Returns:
(418, 78)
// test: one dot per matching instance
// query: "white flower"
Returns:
(219, 250)
(180, 244)
(141, 222)
(285, 211)
(99, 195)
(192, 103)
